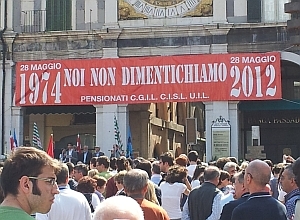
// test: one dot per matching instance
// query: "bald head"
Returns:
(260, 172)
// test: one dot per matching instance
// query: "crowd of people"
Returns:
(94, 186)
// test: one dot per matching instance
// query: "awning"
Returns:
(282, 104)
(69, 109)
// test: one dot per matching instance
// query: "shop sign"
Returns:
(191, 78)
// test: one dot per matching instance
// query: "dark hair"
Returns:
(296, 171)
(103, 160)
(113, 163)
(193, 156)
(93, 161)
(82, 168)
(221, 162)
(233, 159)
(198, 170)
(62, 174)
(277, 168)
(167, 157)
(25, 161)
(122, 163)
(270, 163)
(86, 185)
(144, 164)
(223, 175)
(70, 167)
(176, 173)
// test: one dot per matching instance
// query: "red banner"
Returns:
(249, 76)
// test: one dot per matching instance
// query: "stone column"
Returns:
(110, 48)
(105, 128)
(111, 14)
(235, 131)
(10, 9)
(17, 123)
(229, 111)
(219, 11)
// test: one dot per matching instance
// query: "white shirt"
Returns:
(191, 169)
(68, 204)
(216, 209)
(195, 183)
(170, 198)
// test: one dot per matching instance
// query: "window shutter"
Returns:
(254, 11)
(59, 14)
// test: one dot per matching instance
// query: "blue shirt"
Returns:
(290, 202)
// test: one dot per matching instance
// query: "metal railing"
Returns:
(33, 21)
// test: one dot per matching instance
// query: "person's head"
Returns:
(165, 161)
(270, 163)
(121, 163)
(230, 167)
(221, 162)
(97, 149)
(93, 163)
(198, 171)
(238, 184)
(119, 179)
(70, 146)
(144, 164)
(102, 163)
(92, 172)
(287, 179)
(101, 183)
(29, 176)
(86, 185)
(193, 156)
(257, 175)
(80, 170)
(182, 160)
(296, 171)
(150, 194)
(211, 174)
(85, 148)
(233, 159)
(71, 169)
(63, 174)
(277, 169)
(224, 179)
(119, 207)
(113, 163)
(176, 173)
(155, 167)
(135, 182)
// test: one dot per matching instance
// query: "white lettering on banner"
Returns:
(103, 76)
(104, 98)
(45, 66)
(187, 73)
(74, 77)
(143, 80)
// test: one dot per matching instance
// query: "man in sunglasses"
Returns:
(28, 182)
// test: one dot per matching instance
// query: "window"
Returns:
(273, 11)
(58, 15)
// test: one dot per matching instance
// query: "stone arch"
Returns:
(289, 56)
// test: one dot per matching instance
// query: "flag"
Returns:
(11, 140)
(129, 145)
(118, 134)
(78, 144)
(36, 141)
(15, 139)
(50, 149)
